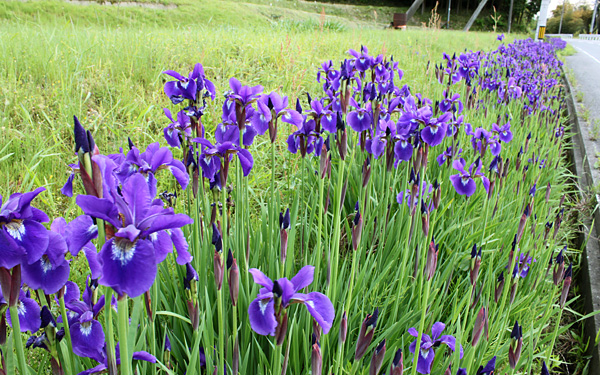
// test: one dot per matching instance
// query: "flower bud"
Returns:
(218, 269)
(566, 285)
(397, 367)
(481, 325)
(514, 350)
(234, 282)
(559, 268)
(365, 336)
(366, 172)
(343, 328)
(475, 264)
(499, 287)
(356, 229)
(377, 359)
(316, 360)
(432, 258)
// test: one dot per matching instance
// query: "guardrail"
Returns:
(589, 37)
(561, 36)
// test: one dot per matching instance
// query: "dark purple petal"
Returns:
(181, 246)
(436, 330)
(246, 161)
(463, 185)
(43, 275)
(101, 208)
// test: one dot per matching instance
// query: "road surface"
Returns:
(586, 66)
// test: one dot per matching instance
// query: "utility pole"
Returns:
(510, 15)
(562, 14)
(413, 8)
(475, 14)
(540, 31)
(594, 16)
(448, 22)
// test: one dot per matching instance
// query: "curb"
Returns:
(589, 275)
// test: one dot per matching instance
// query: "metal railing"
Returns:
(589, 37)
(561, 36)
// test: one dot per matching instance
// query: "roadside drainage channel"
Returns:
(123, 4)
(589, 276)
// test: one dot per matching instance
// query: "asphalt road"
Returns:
(586, 66)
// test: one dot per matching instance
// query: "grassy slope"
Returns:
(104, 65)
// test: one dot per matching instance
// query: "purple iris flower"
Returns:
(522, 269)
(262, 310)
(23, 238)
(359, 120)
(149, 162)
(103, 366)
(304, 139)
(426, 352)
(271, 107)
(362, 60)
(464, 182)
(179, 129)
(243, 95)
(503, 132)
(29, 313)
(88, 337)
(435, 130)
(135, 217)
(447, 155)
(222, 153)
(188, 87)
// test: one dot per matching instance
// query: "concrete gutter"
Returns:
(589, 274)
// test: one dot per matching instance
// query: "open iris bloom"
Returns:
(428, 343)
(23, 238)
(135, 218)
(188, 87)
(220, 154)
(269, 308)
(149, 162)
(464, 182)
(103, 366)
(178, 130)
(29, 313)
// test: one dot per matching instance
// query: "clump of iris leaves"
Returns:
(413, 234)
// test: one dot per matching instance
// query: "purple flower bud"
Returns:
(499, 287)
(377, 359)
(343, 328)
(190, 274)
(432, 258)
(566, 285)
(514, 350)
(397, 367)
(316, 359)
(544, 368)
(234, 281)
(218, 269)
(481, 325)
(365, 336)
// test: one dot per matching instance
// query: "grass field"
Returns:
(97, 65)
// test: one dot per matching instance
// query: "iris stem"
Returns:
(221, 369)
(108, 322)
(14, 319)
(277, 360)
(153, 308)
(65, 317)
(421, 327)
(123, 328)
(221, 334)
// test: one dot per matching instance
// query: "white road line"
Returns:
(580, 50)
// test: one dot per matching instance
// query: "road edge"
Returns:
(589, 275)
